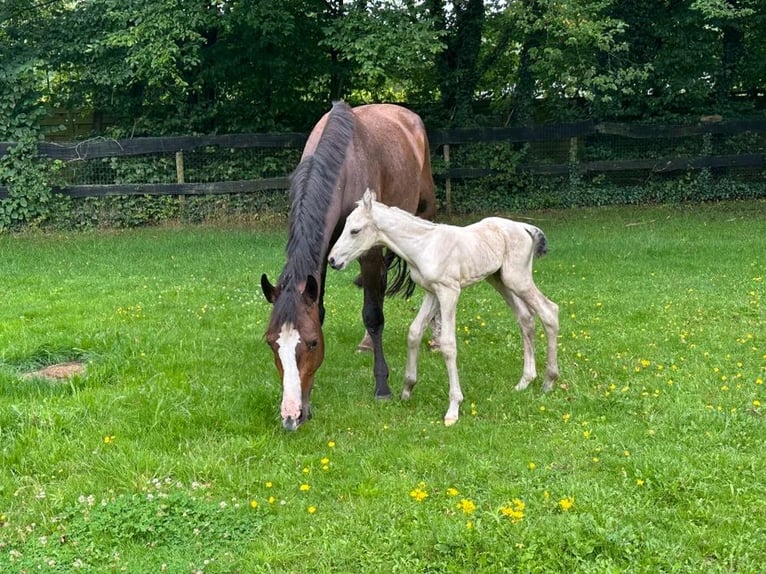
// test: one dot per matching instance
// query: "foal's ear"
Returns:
(269, 291)
(368, 198)
(311, 291)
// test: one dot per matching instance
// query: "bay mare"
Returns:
(381, 146)
(443, 259)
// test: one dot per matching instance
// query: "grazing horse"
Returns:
(443, 259)
(379, 145)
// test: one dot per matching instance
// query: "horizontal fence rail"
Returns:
(566, 141)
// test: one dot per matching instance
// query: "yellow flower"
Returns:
(532, 466)
(419, 494)
(268, 484)
(253, 503)
(305, 487)
(331, 444)
(452, 491)
(756, 403)
(311, 509)
(108, 439)
(639, 482)
(325, 461)
(467, 506)
(514, 510)
(567, 503)
(272, 500)
(469, 525)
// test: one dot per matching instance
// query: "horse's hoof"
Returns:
(383, 397)
(449, 422)
(365, 344)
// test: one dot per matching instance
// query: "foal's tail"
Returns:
(539, 241)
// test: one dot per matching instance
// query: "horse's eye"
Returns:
(354, 231)
(312, 344)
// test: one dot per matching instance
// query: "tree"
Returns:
(383, 50)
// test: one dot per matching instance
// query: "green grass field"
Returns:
(168, 455)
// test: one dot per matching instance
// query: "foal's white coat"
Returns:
(443, 259)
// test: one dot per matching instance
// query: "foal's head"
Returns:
(359, 234)
(295, 337)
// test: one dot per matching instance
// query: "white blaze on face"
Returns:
(291, 381)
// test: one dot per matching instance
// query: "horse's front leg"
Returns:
(448, 305)
(428, 309)
(374, 284)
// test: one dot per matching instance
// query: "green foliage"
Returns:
(22, 172)
(386, 48)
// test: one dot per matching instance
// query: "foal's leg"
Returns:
(374, 283)
(428, 308)
(448, 305)
(526, 321)
(548, 312)
(436, 332)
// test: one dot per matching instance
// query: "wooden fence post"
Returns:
(447, 181)
(180, 167)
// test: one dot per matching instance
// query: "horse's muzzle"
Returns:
(335, 264)
(292, 423)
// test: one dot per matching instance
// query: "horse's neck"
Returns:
(402, 232)
(309, 244)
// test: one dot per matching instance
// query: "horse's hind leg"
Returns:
(526, 321)
(374, 283)
(428, 308)
(548, 312)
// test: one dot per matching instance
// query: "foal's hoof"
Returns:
(383, 397)
(449, 422)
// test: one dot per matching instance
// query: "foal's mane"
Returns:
(312, 185)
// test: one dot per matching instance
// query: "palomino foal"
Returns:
(443, 259)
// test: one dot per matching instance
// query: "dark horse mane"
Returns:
(312, 185)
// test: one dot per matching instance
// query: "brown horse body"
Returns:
(379, 146)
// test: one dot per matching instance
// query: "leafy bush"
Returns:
(22, 171)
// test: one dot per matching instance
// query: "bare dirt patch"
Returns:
(57, 372)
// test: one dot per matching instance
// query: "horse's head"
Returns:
(359, 234)
(295, 337)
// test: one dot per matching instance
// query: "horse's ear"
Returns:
(269, 291)
(368, 198)
(311, 290)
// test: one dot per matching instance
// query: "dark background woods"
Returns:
(74, 70)
(156, 67)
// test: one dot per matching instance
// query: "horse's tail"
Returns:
(539, 241)
(402, 282)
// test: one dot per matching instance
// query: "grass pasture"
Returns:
(167, 455)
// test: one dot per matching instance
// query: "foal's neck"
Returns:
(402, 232)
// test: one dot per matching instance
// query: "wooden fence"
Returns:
(568, 137)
